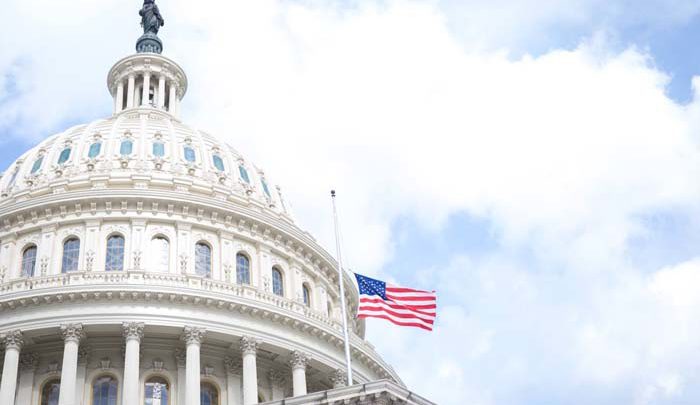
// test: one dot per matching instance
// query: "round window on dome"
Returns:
(95, 149)
(244, 174)
(37, 164)
(190, 155)
(158, 149)
(64, 156)
(126, 148)
(218, 163)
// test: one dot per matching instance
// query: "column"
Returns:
(161, 91)
(193, 339)
(130, 91)
(72, 334)
(233, 380)
(119, 102)
(181, 361)
(339, 378)
(146, 88)
(298, 362)
(133, 332)
(249, 348)
(83, 355)
(276, 385)
(27, 367)
(13, 342)
(173, 107)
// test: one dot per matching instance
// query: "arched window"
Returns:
(95, 149)
(126, 147)
(277, 282)
(202, 265)
(158, 149)
(71, 254)
(157, 391)
(160, 250)
(307, 295)
(104, 391)
(29, 261)
(37, 164)
(64, 156)
(49, 393)
(209, 395)
(190, 155)
(242, 269)
(218, 163)
(115, 253)
(244, 174)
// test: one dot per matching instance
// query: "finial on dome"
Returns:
(151, 21)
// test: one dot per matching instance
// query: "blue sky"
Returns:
(536, 162)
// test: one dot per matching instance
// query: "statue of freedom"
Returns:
(151, 20)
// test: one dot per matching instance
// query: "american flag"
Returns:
(399, 305)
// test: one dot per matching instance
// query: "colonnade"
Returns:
(133, 79)
(133, 333)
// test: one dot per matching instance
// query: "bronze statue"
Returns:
(151, 20)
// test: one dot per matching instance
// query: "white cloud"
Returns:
(562, 153)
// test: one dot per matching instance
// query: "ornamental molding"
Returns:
(12, 340)
(299, 360)
(339, 378)
(234, 365)
(83, 355)
(72, 332)
(133, 331)
(193, 335)
(28, 362)
(180, 357)
(249, 346)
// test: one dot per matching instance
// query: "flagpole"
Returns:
(342, 291)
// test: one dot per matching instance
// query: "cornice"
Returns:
(245, 300)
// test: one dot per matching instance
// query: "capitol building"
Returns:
(146, 262)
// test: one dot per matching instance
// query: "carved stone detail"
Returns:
(12, 340)
(276, 377)
(339, 378)
(180, 358)
(158, 365)
(298, 360)
(28, 362)
(89, 260)
(133, 330)
(105, 363)
(233, 365)
(193, 335)
(249, 345)
(72, 332)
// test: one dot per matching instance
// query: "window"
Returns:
(266, 189)
(104, 391)
(37, 164)
(242, 269)
(29, 261)
(218, 163)
(202, 265)
(126, 147)
(160, 249)
(95, 149)
(190, 156)
(13, 178)
(49, 393)
(157, 391)
(209, 395)
(115, 253)
(330, 310)
(64, 156)
(277, 285)
(244, 174)
(307, 295)
(158, 149)
(71, 255)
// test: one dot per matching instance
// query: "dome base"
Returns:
(149, 43)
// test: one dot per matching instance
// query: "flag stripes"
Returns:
(399, 305)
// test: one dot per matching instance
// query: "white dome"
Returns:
(139, 226)
(146, 149)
